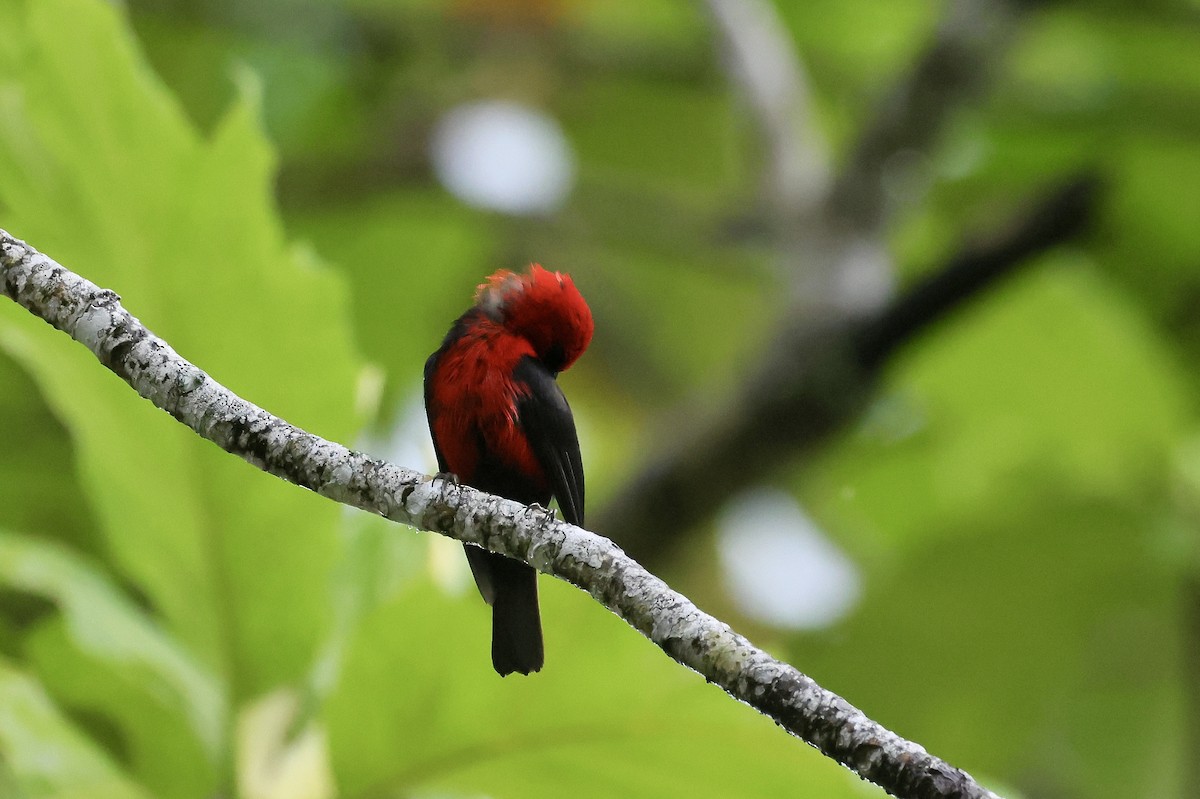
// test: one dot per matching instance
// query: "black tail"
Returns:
(510, 587)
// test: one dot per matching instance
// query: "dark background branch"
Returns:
(814, 380)
(1060, 215)
(953, 69)
(819, 371)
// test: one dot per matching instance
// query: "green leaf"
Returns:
(1053, 374)
(39, 494)
(44, 755)
(107, 657)
(1009, 500)
(421, 240)
(104, 173)
(420, 712)
(1040, 627)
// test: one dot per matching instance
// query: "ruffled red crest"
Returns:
(543, 307)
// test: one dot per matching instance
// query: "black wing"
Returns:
(546, 419)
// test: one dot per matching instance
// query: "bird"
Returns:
(501, 424)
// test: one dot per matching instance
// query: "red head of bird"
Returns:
(542, 307)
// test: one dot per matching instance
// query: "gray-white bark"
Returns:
(94, 317)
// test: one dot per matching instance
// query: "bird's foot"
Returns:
(546, 515)
(447, 479)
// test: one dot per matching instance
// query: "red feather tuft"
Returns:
(542, 307)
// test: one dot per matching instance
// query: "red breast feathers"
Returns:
(539, 314)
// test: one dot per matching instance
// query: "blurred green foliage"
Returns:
(1021, 497)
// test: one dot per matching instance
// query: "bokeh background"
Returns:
(987, 541)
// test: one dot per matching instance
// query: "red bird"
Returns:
(501, 424)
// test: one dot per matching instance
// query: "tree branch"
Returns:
(94, 317)
(762, 63)
(819, 371)
(1061, 214)
(838, 258)
(952, 69)
(813, 380)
